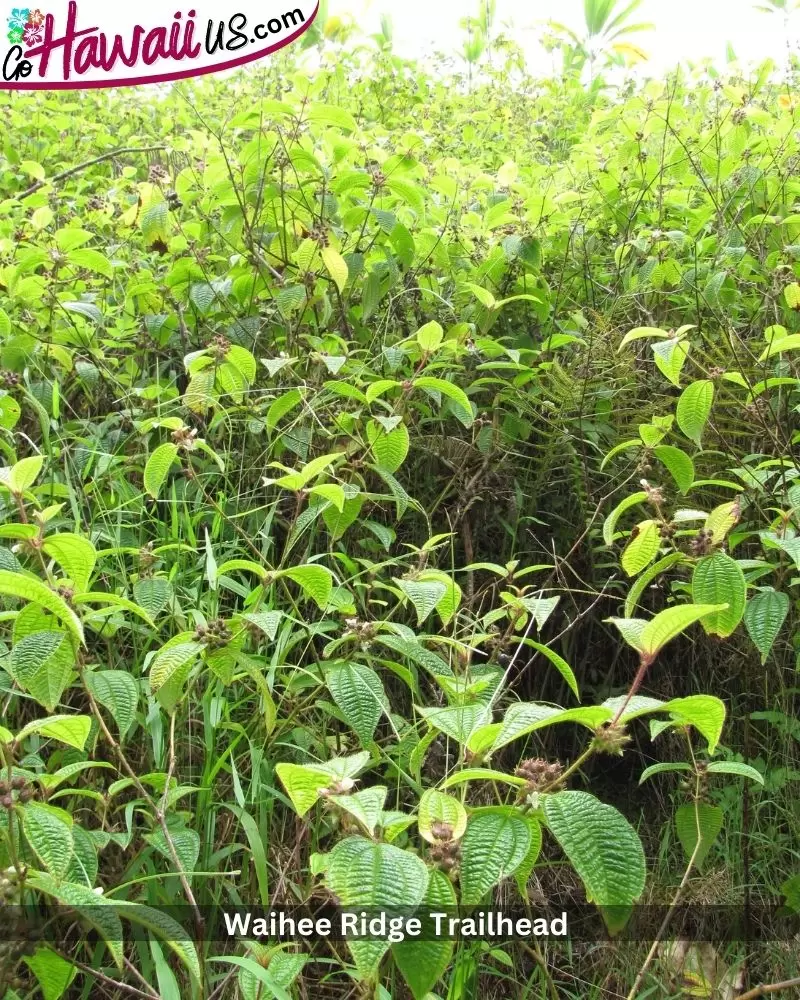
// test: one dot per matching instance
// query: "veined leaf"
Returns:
(157, 468)
(436, 808)
(698, 825)
(642, 548)
(28, 588)
(423, 963)
(492, 848)
(358, 692)
(679, 465)
(601, 844)
(764, 617)
(718, 578)
(694, 409)
(670, 623)
(75, 555)
(362, 873)
(463, 408)
(610, 522)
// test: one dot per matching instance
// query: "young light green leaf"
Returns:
(28, 588)
(23, 474)
(336, 267)
(440, 817)
(642, 548)
(610, 522)
(670, 623)
(75, 555)
(70, 729)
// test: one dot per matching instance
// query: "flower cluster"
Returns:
(25, 26)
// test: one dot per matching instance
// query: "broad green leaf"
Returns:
(173, 661)
(733, 767)
(698, 825)
(430, 336)
(362, 873)
(719, 578)
(336, 267)
(610, 523)
(358, 693)
(642, 548)
(153, 594)
(303, 784)
(790, 343)
(37, 668)
(365, 805)
(463, 408)
(694, 409)
(157, 468)
(492, 848)
(764, 617)
(423, 595)
(458, 722)
(670, 623)
(116, 691)
(23, 474)
(70, 729)
(49, 837)
(164, 926)
(601, 845)
(315, 581)
(28, 588)
(423, 963)
(75, 555)
(436, 808)
(631, 630)
(703, 711)
(720, 521)
(96, 910)
(523, 872)
(523, 718)
(53, 973)
(679, 465)
(390, 448)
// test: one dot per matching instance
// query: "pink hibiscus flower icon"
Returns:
(33, 34)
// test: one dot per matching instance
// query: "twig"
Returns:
(89, 163)
(762, 991)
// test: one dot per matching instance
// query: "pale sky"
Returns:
(685, 29)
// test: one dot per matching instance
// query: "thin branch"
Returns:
(84, 166)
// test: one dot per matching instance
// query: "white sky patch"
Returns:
(686, 30)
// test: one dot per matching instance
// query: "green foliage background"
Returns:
(368, 433)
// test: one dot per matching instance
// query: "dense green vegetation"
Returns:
(400, 506)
